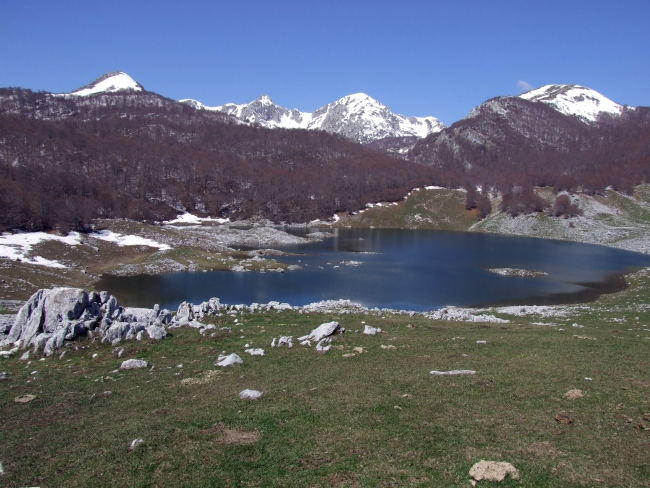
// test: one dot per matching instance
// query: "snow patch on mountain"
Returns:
(261, 111)
(575, 100)
(358, 117)
(109, 83)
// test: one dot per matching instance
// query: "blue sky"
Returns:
(417, 57)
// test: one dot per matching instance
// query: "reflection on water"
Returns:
(405, 269)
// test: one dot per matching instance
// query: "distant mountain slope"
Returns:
(510, 141)
(357, 117)
(579, 101)
(135, 154)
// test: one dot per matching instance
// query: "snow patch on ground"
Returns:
(128, 240)
(188, 218)
(18, 246)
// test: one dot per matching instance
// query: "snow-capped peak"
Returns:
(265, 100)
(358, 117)
(576, 100)
(363, 119)
(109, 83)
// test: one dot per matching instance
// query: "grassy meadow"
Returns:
(376, 418)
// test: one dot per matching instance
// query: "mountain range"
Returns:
(363, 119)
(112, 148)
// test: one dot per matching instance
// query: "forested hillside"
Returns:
(512, 145)
(67, 160)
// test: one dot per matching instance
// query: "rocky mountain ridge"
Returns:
(575, 100)
(356, 117)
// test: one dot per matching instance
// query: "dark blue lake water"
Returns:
(403, 269)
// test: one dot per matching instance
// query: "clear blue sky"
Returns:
(417, 57)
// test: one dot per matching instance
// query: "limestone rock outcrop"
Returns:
(51, 317)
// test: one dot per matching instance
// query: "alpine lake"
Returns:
(402, 269)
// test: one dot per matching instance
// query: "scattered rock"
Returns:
(6, 354)
(493, 471)
(321, 347)
(25, 356)
(481, 342)
(453, 372)
(133, 364)
(136, 443)
(368, 330)
(255, 352)
(24, 398)
(3, 375)
(349, 355)
(389, 346)
(230, 360)
(324, 330)
(359, 350)
(573, 394)
(464, 315)
(156, 332)
(250, 394)
(283, 341)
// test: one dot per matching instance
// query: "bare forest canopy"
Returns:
(509, 142)
(67, 160)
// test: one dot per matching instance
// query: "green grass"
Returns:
(440, 209)
(325, 420)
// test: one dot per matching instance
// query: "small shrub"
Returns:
(563, 206)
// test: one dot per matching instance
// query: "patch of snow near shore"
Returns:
(188, 218)
(17, 246)
(128, 240)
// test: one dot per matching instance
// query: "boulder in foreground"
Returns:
(51, 317)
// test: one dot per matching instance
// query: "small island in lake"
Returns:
(517, 272)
